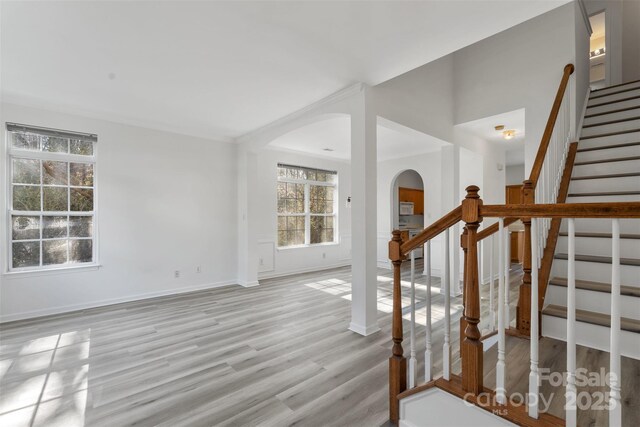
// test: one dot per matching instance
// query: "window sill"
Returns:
(315, 245)
(49, 271)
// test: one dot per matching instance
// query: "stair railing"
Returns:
(538, 214)
(469, 385)
(543, 186)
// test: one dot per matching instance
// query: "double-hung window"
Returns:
(306, 206)
(52, 192)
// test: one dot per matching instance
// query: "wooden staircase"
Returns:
(593, 183)
(606, 169)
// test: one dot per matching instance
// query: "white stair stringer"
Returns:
(590, 335)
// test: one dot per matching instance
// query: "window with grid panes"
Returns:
(51, 198)
(307, 206)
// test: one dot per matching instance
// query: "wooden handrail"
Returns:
(564, 210)
(551, 123)
(432, 231)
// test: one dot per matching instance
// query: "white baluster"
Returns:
(428, 363)
(412, 357)
(507, 268)
(534, 375)
(501, 396)
(571, 394)
(446, 347)
(492, 311)
(615, 407)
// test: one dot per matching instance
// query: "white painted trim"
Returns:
(584, 112)
(334, 97)
(364, 330)
(112, 301)
(247, 284)
(384, 263)
(585, 16)
(307, 154)
(304, 270)
(116, 118)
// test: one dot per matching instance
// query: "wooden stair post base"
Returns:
(397, 361)
(471, 348)
(523, 310)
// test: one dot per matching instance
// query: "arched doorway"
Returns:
(407, 203)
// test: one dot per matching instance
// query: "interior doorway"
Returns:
(598, 52)
(407, 193)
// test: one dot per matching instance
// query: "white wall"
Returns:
(514, 174)
(420, 99)
(631, 40)
(166, 202)
(519, 67)
(278, 262)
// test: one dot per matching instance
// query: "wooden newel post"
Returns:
(523, 311)
(472, 346)
(397, 361)
(463, 322)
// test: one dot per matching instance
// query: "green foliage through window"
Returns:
(306, 205)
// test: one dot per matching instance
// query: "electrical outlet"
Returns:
(198, 269)
(261, 261)
(324, 255)
(176, 274)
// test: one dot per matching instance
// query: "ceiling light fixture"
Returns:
(328, 149)
(499, 128)
(509, 134)
(596, 53)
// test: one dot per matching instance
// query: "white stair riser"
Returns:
(599, 302)
(598, 225)
(626, 166)
(594, 336)
(614, 89)
(627, 114)
(595, 143)
(608, 153)
(604, 199)
(629, 248)
(614, 97)
(622, 138)
(598, 272)
(613, 107)
(611, 127)
(629, 183)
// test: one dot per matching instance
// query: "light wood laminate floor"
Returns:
(278, 354)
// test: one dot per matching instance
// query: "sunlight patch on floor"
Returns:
(35, 393)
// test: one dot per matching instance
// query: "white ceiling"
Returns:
(485, 129)
(220, 68)
(393, 140)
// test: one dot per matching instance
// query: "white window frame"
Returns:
(12, 153)
(307, 208)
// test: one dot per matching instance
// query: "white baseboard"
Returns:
(111, 301)
(304, 270)
(364, 330)
(384, 264)
(248, 284)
